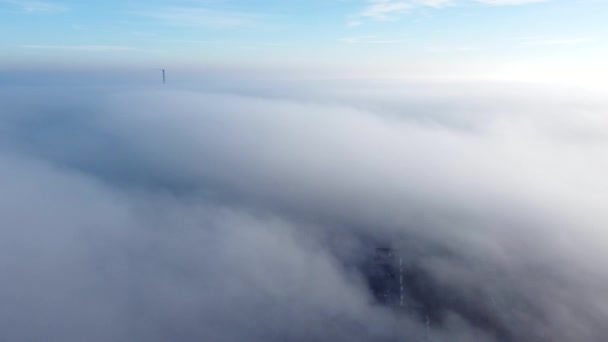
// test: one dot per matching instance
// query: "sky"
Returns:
(549, 40)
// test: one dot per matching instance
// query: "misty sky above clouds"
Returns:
(243, 210)
(535, 40)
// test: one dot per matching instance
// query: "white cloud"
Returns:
(199, 17)
(391, 10)
(509, 2)
(452, 49)
(36, 6)
(535, 41)
(385, 10)
(81, 47)
(369, 39)
(354, 23)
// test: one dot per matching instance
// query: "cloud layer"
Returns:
(246, 212)
(36, 6)
(387, 10)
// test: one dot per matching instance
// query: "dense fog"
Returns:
(242, 210)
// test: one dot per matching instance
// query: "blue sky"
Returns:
(494, 38)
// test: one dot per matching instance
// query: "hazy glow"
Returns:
(564, 40)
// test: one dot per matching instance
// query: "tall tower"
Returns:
(385, 278)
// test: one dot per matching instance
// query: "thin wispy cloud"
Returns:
(509, 2)
(370, 39)
(199, 17)
(540, 41)
(392, 10)
(354, 23)
(36, 6)
(452, 49)
(387, 10)
(92, 48)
